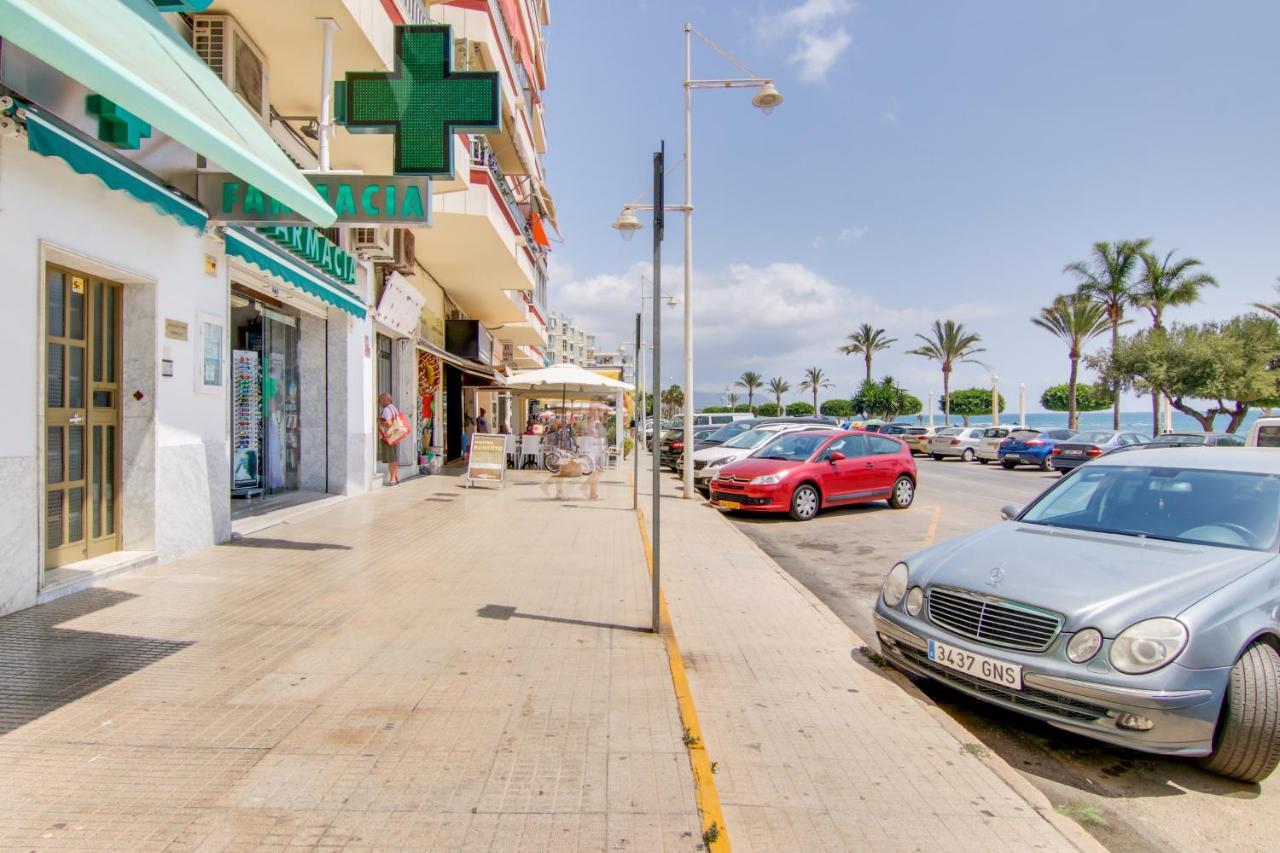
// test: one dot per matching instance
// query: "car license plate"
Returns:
(1012, 457)
(730, 504)
(979, 666)
(1073, 453)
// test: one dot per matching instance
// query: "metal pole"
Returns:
(659, 221)
(326, 91)
(930, 410)
(1022, 405)
(638, 440)
(688, 263)
(995, 400)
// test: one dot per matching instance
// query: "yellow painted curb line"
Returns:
(933, 526)
(714, 833)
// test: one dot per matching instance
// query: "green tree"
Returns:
(1165, 284)
(777, 387)
(1078, 398)
(800, 409)
(767, 410)
(751, 381)
(948, 343)
(1076, 320)
(1272, 308)
(672, 399)
(814, 380)
(866, 342)
(732, 399)
(1231, 365)
(1107, 278)
(838, 408)
(969, 403)
(884, 399)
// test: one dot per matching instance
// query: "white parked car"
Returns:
(959, 442)
(708, 461)
(1265, 432)
(989, 446)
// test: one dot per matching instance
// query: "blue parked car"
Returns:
(1031, 447)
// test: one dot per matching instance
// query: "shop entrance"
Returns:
(82, 416)
(265, 437)
(453, 412)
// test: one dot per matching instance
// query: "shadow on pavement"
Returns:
(285, 545)
(43, 667)
(503, 612)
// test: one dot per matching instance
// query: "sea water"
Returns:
(1132, 421)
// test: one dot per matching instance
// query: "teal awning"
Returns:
(127, 52)
(267, 257)
(49, 138)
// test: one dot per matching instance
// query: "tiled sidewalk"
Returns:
(428, 667)
(816, 750)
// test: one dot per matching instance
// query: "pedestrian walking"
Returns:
(482, 422)
(391, 431)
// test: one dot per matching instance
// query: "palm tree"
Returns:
(1106, 279)
(751, 381)
(732, 399)
(1165, 284)
(948, 343)
(814, 380)
(1077, 320)
(867, 341)
(777, 387)
(1272, 308)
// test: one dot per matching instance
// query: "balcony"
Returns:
(532, 331)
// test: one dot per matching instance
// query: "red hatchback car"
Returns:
(803, 472)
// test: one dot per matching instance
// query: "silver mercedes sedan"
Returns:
(1137, 601)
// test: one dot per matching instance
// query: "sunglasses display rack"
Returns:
(246, 423)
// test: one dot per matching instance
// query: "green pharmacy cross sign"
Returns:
(423, 101)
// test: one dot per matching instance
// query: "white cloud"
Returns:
(852, 232)
(776, 319)
(818, 242)
(891, 117)
(814, 25)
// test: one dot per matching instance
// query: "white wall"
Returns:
(74, 219)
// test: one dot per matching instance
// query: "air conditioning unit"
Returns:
(374, 244)
(227, 49)
(404, 261)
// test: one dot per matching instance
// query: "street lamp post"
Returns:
(1022, 405)
(767, 97)
(995, 400)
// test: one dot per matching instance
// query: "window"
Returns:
(209, 354)
(880, 445)
(851, 446)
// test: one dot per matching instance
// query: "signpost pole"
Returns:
(638, 440)
(659, 172)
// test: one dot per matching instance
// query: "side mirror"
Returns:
(1009, 511)
(836, 456)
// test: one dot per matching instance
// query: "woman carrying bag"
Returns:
(392, 428)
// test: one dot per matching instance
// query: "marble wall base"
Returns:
(186, 513)
(312, 399)
(20, 544)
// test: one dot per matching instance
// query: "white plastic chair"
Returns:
(512, 444)
(530, 449)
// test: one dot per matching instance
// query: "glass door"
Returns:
(82, 355)
(280, 393)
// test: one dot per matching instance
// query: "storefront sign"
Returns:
(175, 330)
(357, 199)
(314, 248)
(423, 101)
(487, 460)
(431, 328)
(400, 305)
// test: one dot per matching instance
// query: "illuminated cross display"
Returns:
(423, 101)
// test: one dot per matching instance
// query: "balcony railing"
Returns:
(413, 11)
(482, 157)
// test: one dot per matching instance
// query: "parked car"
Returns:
(1197, 439)
(672, 446)
(961, 442)
(708, 461)
(1088, 445)
(728, 431)
(917, 438)
(719, 419)
(1031, 447)
(1265, 432)
(989, 445)
(1133, 602)
(803, 472)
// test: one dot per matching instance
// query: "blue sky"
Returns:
(931, 160)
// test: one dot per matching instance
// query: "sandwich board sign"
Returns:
(487, 459)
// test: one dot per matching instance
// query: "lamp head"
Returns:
(671, 301)
(767, 98)
(627, 223)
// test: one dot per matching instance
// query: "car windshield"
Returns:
(948, 431)
(750, 438)
(1235, 509)
(795, 448)
(995, 432)
(1098, 437)
(1179, 438)
(729, 431)
(1023, 434)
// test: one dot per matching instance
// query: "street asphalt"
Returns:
(1127, 800)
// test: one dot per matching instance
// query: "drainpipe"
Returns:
(330, 27)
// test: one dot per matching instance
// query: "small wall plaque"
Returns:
(166, 367)
(175, 330)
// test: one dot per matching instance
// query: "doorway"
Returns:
(82, 416)
(453, 412)
(265, 400)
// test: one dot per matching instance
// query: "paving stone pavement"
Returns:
(816, 750)
(427, 667)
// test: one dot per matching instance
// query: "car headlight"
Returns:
(895, 585)
(915, 601)
(769, 479)
(1148, 645)
(1084, 645)
(716, 463)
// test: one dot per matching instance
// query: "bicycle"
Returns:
(557, 456)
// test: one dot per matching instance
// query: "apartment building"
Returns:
(215, 268)
(569, 343)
